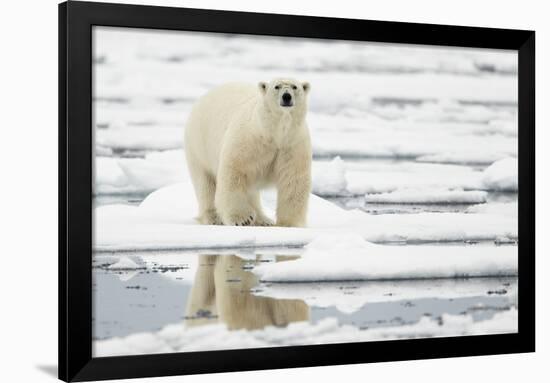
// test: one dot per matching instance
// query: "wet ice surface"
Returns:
(355, 202)
(412, 146)
(202, 289)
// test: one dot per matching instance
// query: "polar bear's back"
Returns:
(211, 116)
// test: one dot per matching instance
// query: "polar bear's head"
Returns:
(285, 94)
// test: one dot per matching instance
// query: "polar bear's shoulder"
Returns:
(229, 97)
(235, 89)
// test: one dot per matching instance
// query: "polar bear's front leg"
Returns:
(232, 199)
(293, 189)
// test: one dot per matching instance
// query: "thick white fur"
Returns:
(238, 140)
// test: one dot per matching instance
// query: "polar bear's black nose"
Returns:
(287, 99)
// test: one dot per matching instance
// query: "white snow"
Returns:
(502, 175)
(178, 338)
(509, 209)
(464, 157)
(217, 55)
(407, 139)
(139, 175)
(388, 177)
(100, 151)
(329, 179)
(348, 297)
(139, 343)
(164, 220)
(430, 178)
(345, 257)
(151, 138)
(182, 266)
(108, 174)
(428, 196)
(124, 263)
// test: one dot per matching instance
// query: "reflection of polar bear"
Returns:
(240, 138)
(221, 293)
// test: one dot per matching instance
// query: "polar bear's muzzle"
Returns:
(286, 100)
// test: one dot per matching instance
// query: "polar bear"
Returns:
(240, 138)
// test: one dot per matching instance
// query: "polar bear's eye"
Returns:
(294, 87)
(277, 87)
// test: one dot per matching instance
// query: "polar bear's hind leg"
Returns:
(205, 190)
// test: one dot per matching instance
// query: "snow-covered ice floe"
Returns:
(360, 137)
(429, 196)
(406, 181)
(509, 209)
(139, 175)
(124, 264)
(349, 297)
(502, 175)
(413, 182)
(136, 138)
(346, 257)
(164, 220)
(178, 338)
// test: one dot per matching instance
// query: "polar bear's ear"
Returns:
(306, 86)
(263, 87)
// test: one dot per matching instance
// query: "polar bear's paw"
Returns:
(210, 218)
(236, 219)
(263, 221)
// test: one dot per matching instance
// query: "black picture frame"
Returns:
(75, 189)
